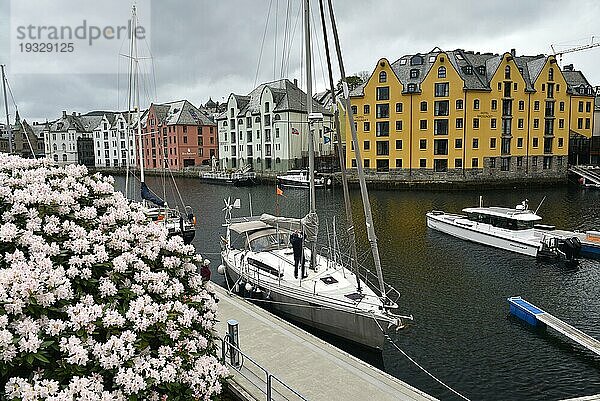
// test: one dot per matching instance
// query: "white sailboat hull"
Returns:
(322, 313)
(460, 227)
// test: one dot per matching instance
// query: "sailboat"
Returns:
(336, 296)
(181, 223)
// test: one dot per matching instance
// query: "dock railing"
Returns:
(271, 387)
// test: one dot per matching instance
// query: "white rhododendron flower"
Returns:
(96, 301)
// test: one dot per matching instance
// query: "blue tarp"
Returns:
(148, 195)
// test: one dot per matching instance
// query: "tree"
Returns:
(354, 80)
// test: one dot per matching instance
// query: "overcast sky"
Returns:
(205, 49)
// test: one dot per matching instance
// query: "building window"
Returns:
(457, 163)
(561, 123)
(398, 163)
(442, 89)
(551, 74)
(442, 72)
(520, 123)
(494, 104)
(414, 73)
(536, 123)
(412, 88)
(459, 104)
(440, 127)
(382, 128)
(382, 110)
(398, 107)
(423, 144)
(519, 142)
(476, 123)
(507, 72)
(581, 107)
(383, 148)
(521, 105)
(475, 162)
(476, 104)
(423, 124)
(354, 163)
(515, 86)
(561, 106)
(519, 161)
(367, 163)
(366, 109)
(560, 142)
(366, 126)
(367, 145)
(423, 163)
(559, 160)
(535, 142)
(492, 143)
(468, 69)
(423, 106)
(492, 162)
(588, 107)
(534, 161)
(475, 143)
(383, 93)
(547, 162)
(579, 123)
(505, 164)
(587, 123)
(354, 110)
(398, 144)
(382, 77)
(493, 123)
(458, 143)
(536, 105)
(441, 108)
(459, 123)
(398, 125)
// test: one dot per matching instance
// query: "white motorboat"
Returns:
(299, 179)
(505, 228)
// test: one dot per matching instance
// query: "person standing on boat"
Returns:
(297, 241)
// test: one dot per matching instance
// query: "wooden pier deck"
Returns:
(309, 365)
(532, 314)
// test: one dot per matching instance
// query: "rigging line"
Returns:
(285, 37)
(291, 39)
(318, 46)
(275, 40)
(417, 364)
(262, 44)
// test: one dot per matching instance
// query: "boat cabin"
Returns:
(257, 236)
(510, 219)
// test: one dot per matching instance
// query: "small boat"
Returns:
(240, 178)
(175, 222)
(505, 228)
(299, 179)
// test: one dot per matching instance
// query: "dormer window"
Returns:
(442, 72)
(416, 60)
(468, 69)
(481, 70)
(412, 88)
(507, 72)
(414, 73)
(382, 77)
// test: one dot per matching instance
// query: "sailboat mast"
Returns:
(311, 143)
(347, 207)
(359, 164)
(10, 141)
(137, 94)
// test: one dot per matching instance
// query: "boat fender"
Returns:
(248, 287)
(236, 288)
(221, 269)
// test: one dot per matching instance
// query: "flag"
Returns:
(295, 131)
(279, 191)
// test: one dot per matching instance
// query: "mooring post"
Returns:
(234, 341)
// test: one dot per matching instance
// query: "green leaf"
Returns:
(41, 357)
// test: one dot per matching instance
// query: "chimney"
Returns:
(568, 67)
(74, 114)
(513, 52)
(64, 114)
(296, 82)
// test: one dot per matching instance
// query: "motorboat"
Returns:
(505, 228)
(299, 179)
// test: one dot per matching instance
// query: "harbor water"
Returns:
(457, 291)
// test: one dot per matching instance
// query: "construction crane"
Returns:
(559, 54)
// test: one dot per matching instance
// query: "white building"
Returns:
(268, 129)
(114, 141)
(60, 138)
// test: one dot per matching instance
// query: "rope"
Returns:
(417, 364)
(262, 44)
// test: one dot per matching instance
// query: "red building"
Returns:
(179, 134)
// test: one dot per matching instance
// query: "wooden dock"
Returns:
(536, 316)
(310, 366)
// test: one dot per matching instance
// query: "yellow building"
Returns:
(469, 115)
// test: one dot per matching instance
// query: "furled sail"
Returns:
(309, 224)
(148, 195)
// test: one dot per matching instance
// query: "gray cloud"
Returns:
(205, 49)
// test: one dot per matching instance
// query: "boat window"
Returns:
(524, 225)
(270, 242)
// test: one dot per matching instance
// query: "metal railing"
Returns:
(264, 381)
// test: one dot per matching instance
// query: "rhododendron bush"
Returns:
(96, 303)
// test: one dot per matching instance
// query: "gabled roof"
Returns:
(90, 122)
(181, 112)
(67, 122)
(577, 83)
